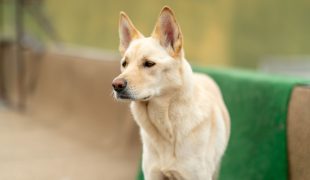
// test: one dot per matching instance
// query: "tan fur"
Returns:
(183, 120)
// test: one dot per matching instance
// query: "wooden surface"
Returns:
(299, 133)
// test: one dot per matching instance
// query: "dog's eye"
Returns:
(124, 64)
(148, 64)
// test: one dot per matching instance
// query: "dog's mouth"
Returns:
(126, 96)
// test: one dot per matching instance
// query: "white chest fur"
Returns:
(184, 140)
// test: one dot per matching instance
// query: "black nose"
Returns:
(119, 84)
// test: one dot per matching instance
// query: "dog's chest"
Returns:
(167, 119)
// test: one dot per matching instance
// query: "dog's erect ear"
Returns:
(168, 32)
(127, 32)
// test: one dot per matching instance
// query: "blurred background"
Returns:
(239, 33)
(58, 119)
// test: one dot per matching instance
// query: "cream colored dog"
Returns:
(183, 120)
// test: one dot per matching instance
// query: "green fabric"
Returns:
(258, 108)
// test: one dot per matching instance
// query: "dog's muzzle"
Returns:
(119, 85)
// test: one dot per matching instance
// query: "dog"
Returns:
(183, 120)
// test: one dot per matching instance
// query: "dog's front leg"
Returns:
(154, 174)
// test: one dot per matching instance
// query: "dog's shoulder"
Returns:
(207, 85)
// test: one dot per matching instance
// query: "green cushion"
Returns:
(258, 105)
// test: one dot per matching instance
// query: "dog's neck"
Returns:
(158, 108)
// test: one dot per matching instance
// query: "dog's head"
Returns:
(150, 66)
